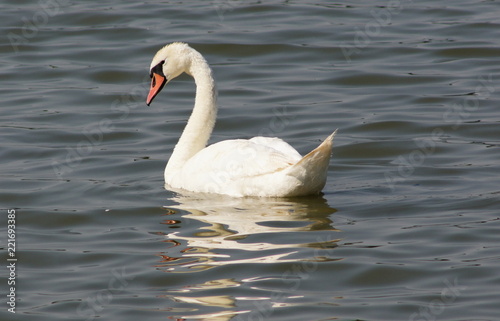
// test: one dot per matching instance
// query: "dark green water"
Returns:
(407, 228)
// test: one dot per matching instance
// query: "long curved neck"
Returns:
(202, 120)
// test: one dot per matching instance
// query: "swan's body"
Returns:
(260, 166)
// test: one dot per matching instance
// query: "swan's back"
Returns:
(260, 166)
(228, 167)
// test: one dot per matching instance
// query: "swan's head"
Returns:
(168, 63)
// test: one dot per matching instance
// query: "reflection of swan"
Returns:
(261, 166)
(238, 225)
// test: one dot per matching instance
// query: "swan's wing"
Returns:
(243, 158)
(258, 167)
(276, 144)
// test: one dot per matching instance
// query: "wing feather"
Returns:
(243, 158)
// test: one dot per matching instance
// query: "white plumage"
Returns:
(261, 166)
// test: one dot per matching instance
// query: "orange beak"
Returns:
(157, 83)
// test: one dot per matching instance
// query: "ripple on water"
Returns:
(408, 221)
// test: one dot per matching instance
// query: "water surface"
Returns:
(406, 228)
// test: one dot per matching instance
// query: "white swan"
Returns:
(261, 166)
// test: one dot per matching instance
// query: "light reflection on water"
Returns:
(231, 235)
(229, 222)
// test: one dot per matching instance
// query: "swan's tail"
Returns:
(312, 169)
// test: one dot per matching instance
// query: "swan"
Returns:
(260, 166)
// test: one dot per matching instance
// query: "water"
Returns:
(406, 228)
